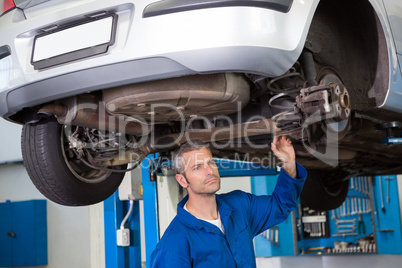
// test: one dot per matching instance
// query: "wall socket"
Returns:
(123, 237)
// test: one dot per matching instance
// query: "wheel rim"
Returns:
(335, 130)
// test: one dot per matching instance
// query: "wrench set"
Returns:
(345, 227)
(360, 184)
(315, 224)
(353, 205)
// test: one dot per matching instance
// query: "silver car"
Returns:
(99, 85)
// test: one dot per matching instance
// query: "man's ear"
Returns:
(181, 180)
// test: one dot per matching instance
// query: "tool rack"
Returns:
(368, 222)
(351, 227)
(359, 225)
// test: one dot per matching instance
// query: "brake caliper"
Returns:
(315, 107)
(319, 103)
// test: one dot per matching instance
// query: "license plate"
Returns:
(80, 41)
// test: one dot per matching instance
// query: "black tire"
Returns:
(49, 168)
(325, 190)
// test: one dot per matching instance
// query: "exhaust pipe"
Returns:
(87, 111)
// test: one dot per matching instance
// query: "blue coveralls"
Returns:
(190, 242)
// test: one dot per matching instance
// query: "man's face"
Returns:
(201, 173)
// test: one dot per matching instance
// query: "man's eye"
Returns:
(212, 163)
(196, 167)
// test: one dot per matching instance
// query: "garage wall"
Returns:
(75, 234)
(68, 227)
(10, 142)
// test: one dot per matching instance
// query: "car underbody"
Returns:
(159, 116)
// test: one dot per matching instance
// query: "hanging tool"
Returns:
(344, 233)
(368, 186)
(345, 227)
(276, 236)
(352, 186)
(382, 197)
(388, 179)
(271, 236)
(333, 214)
(356, 207)
(375, 201)
(359, 205)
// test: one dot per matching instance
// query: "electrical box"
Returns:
(123, 237)
(131, 186)
(23, 233)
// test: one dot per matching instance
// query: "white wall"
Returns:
(68, 227)
(10, 141)
(97, 236)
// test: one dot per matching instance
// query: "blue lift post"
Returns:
(114, 212)
(150, 210)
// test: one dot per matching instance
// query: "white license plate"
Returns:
(75, 39)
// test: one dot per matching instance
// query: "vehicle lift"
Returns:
(389, 135)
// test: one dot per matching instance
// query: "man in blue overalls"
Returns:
(217, 230)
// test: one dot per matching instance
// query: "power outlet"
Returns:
(123, 237)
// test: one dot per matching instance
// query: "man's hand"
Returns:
(283, 149)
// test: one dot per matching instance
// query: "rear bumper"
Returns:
(79, 82)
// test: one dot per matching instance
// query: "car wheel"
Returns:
(57, 173)
(325, 190)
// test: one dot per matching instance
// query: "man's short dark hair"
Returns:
(178, 161)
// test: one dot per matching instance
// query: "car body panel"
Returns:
(394, 11)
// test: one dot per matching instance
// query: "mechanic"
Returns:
(217, 230)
